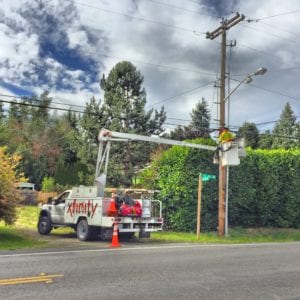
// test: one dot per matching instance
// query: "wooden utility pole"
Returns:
(199, 205)
(221, 30)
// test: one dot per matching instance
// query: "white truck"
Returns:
(93, 216)
(90, 213)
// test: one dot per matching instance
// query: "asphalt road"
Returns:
(154, 271)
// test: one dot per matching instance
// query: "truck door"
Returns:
(57, 215)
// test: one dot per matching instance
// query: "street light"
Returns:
(247, 79)
(260, 71)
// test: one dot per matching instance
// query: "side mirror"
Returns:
(49, 201)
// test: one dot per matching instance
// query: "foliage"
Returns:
(265, 140)
(175, 173)
(264, 190)
(236, 236)
(21, 234)
(201, 118)
(64, 146)
(72, 174)
(48, 184)
(250, 133)
(33, 135)
(86, 144)
(199, 126)
(12, 239)
(286, 127)
(124, 111)
(8, 178)
(286, 132)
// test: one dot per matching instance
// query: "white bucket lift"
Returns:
(232, 151)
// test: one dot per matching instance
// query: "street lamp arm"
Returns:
(247, 79)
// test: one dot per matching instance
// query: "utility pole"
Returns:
(221, 30)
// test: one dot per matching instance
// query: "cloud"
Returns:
(65, 47)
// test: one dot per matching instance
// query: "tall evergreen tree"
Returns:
(250, 133)
(92, 120)
(90, 124)
(124, 110)
(2, 114)
(200, 119)
(3, 126)
(125, 100)
(41, 113)
(265, 140)
(199, 126)
(181, 133)
(32, 134)
(286, 130)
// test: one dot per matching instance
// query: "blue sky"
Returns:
(64, 47)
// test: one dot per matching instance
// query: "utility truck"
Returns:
(91, 213)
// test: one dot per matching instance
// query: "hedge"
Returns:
(264, 190)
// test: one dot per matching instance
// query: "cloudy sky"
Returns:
(64, 47)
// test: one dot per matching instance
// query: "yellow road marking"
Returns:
(33, 279)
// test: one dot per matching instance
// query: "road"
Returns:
(154, 271)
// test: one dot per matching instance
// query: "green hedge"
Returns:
(264, 190)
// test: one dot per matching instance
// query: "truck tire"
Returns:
(83, 230)
(44, 225)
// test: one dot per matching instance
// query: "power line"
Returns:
(43, 106)
(178, 119)
(142, 62)
(82, 112)
(284, 69)
(278, 15)
(274, 92)
(46, 107)
(179, 8)
(278, 28)
(27, 98)
(181, 94)
(271, 34)
(137, 18)
(158, 65)
(272, 55)
(269, 71)
(269, 90)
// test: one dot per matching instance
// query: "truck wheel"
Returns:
(83, 230)
(44, 225)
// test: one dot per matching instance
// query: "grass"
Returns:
(27, 217)
(235, 236)
(20, 235)
(12, 238)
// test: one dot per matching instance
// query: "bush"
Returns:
(264, 190)
(9, 196)
(175, 173)
(48, 184)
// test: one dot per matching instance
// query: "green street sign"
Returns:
(207, 177)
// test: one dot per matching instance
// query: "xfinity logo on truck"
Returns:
(76, 207)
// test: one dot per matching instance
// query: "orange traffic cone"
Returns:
(112, 210)
(115, 238)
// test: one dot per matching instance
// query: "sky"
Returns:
(65, 46)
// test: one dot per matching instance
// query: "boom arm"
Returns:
(106, 136)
